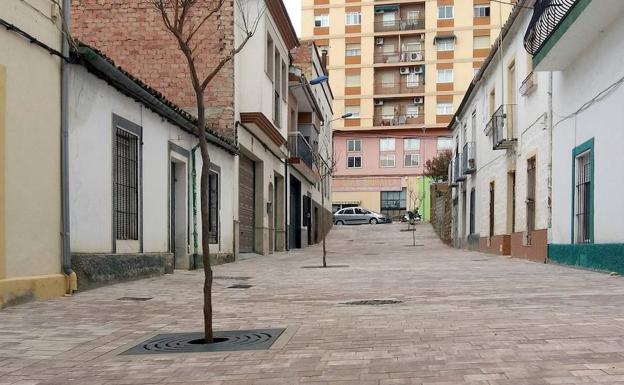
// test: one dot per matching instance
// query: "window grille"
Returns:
(126, 182)
(213, 207)
(583, 207)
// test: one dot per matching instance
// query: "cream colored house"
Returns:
(30, 166)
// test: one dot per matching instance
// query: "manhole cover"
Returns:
(231, 278)
(134, 299)
(239, 286)
(374, 302)
(234, 340)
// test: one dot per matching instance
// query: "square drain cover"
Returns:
(225, 341)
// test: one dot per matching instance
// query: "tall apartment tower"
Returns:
(400, 68)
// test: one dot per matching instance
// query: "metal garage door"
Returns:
(246, 204)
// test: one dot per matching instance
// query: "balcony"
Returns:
(299, 148)
(500, 127)
(398, 25)
(528, 84)
(401, 112)
(403, 86)
(403, 56)
(547, 16)
(398, 120)
(453, 170)
(458, 164)
(469, 164)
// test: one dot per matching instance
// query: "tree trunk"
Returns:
(205, 212)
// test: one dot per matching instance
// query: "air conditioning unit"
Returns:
(419, 100)
(415, 56)
(379, 41)
(379, 102)
(404, 70)
(418, 70)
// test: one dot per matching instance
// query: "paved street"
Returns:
(466, 318)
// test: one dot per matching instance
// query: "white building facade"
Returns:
(134, 187)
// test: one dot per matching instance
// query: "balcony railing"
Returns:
(399, 25)
(528, 84)
(469, 164)
(401, 87)
(399, 119)
(300, 148)
(547, 15)
(500, 127)
(459, 175)
(402, 56)
(452, 173)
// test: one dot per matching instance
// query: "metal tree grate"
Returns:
(374, 302)
(224, 341)
(239, 286)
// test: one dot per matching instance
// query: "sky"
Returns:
(294, 10)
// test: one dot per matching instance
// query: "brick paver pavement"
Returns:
(466, 318)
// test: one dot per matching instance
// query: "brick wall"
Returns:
(132, 34)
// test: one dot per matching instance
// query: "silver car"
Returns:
(357, 216)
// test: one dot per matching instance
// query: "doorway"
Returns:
(246, 204)
(294, 238)
(177, 214)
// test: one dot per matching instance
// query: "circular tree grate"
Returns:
(234, 340)
(231, 278)
(374, 302)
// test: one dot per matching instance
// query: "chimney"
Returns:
(324, 60)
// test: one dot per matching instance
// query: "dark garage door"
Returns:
(246, 204)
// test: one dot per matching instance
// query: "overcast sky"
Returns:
(294, 10)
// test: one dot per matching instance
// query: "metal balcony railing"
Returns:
(528, 84)
(401, 87)
(547, 15)
(500, 127)
(459, 175)
(403, 56)
(452, 173)
(300, 148)
(399, 25)
(469, 164)
(399, 119)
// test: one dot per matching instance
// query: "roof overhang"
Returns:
(282, 21)
(261, 127)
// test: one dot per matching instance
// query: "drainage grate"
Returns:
(224, 341)
(239, 286)
(134, 298)
(374, 302)
(231, 278)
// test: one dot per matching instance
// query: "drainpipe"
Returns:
(550, 154)
(71, 282)
(286, 200)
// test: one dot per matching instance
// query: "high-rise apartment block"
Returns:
(400, 69)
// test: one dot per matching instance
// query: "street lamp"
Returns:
(319, 80)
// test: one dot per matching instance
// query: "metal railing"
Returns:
(547, 15)
(399, 25)
(459, 175)
(469, 164)
(299, 147)
(500, 127)
(401, 87)
(452, 172)
(403, 56)
(528, 84)
(398, 119)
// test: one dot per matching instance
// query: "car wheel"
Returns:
(374, 221)
(339, 223)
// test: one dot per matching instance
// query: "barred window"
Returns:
(126, 182)
(583, 198)
(213, 207)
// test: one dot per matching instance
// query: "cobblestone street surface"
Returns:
(465, 318)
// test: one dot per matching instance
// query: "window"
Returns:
(387, 79)
(481, 42)
(386, 144)
(445, 12)
(386, 160)
(413, 46)
(445, 109)
(472, 211)
(445, 76)
(445, 143)
(412, 111)
(269, 57)
(411, 160)
(126, 185)
(413, 80)
(413, 15)
(354, 145)
(354, 111)
(353, 80)
(445, 44)
(582, 204)
(393, 203)
(353, 18)
(321, 20)
(481, 10)
(284, 81)
(411, 144)
(354, 162)
(389, 19)
(213, 208)
(353, 49)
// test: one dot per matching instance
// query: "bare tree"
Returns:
(437, 167)
(184, 19)
(325, 167)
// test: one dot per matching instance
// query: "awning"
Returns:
(386, 8)
(443, 37)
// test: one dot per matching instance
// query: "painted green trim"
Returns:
(560, 30)
(606, 257)
(576, 151)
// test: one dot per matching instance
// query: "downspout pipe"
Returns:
(70, 275)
